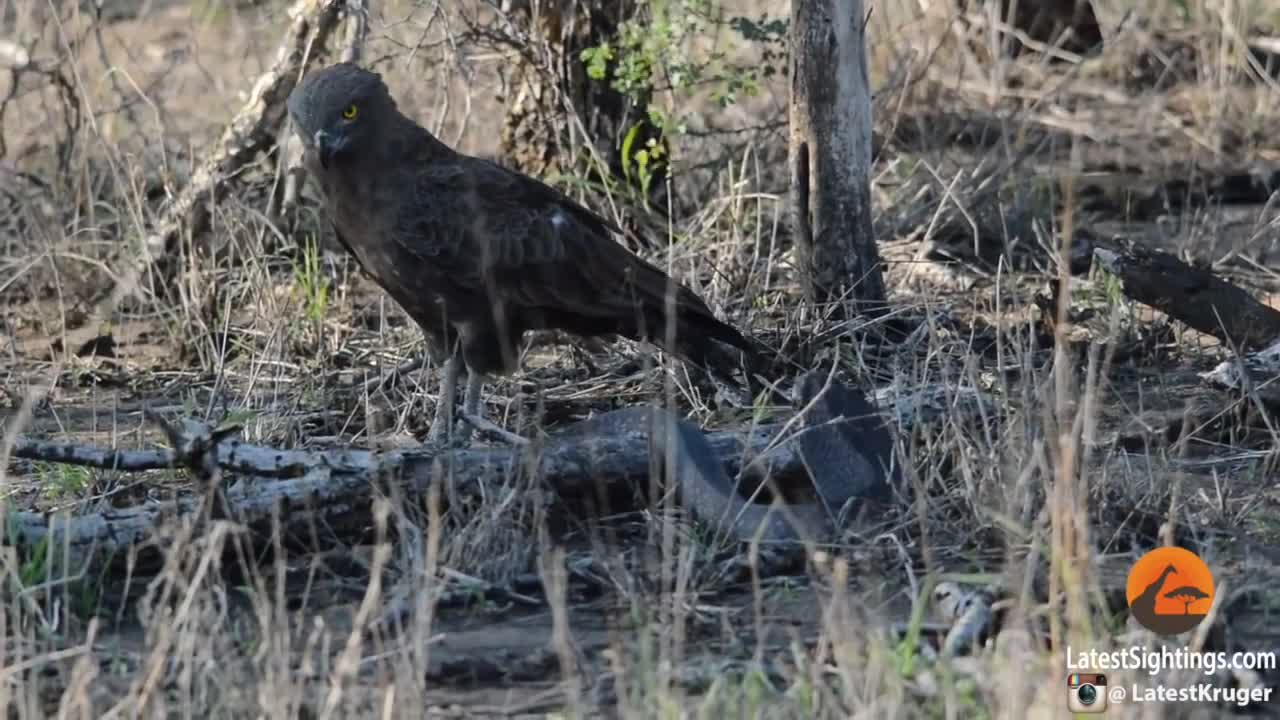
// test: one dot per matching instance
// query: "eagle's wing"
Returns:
(544, 250)
(342, 240)
(524, 242)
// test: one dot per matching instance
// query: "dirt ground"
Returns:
(1100, 440)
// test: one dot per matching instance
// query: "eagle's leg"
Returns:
(471, 403)
(470, 409)
(475, 421)
(448, 397)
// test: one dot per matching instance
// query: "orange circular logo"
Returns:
(1170, 590)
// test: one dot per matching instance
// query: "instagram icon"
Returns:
(1087, 692)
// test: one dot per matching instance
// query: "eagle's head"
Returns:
(339, 111)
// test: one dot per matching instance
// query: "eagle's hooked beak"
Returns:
(326, 146)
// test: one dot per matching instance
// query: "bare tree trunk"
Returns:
(831, 155)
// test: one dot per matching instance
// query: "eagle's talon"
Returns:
(488, 426)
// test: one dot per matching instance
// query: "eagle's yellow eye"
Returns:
(351, 112)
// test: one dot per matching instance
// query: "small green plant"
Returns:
(597, 60)
(242, 416)
(35, 567)
(644, 160)
(310, 279)
(63, 481)
(653, 53)
(84, 598)
(1114, 290)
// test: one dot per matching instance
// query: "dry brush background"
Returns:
(1100, 438)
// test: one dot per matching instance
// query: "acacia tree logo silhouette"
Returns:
(1170, 590)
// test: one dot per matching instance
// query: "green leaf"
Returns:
(627, 142)
(597, 60)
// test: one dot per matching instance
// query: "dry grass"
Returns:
(1103, 443)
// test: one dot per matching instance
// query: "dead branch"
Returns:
(1257, 372)
(335, 489)
(1192, 295)
(357, 30)
(253, 130)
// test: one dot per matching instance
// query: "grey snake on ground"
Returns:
(844, 445)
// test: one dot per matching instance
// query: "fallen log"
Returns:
(334, 489)
(1192, 295)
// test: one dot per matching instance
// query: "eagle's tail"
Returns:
(692, 331)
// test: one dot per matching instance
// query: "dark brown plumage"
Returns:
(478, 253)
